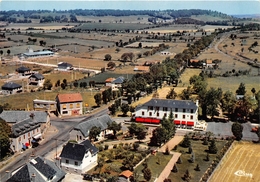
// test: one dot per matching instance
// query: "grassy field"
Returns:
(200, 155)
(156, 166)
(241, 163)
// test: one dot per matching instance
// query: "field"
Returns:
(241, 163)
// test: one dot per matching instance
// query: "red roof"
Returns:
(109, 80)
(74, 97)
(126, 173)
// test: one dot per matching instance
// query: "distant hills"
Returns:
(247, 16)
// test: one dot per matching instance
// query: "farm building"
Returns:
(11, 88)
(62, 66)
(23, 71)
(185, 112)
(44, 105)
(69, 104)
(31, 54)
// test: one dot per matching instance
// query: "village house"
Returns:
(62, 66)
(185, 112)
(38, 169)
(109, 83)
(78, 158)
(115, 83)
(81, 131)
(28, 127)
(45, 105)
(11, 88)
(69, 104)
(36, 79)
(23, 71)
(125, 176)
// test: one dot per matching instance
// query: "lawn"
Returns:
(200, 155)
(156, 163)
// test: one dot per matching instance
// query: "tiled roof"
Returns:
(183, 104)
(73, 97)
(64, 65)
(109, 80)
(11, 85)
(16, 116)
(38, 76)
(119, 80)
(22, 69)
(142, 68)
(43, 170)
(209, 61)
(24, 126)
(76, 151)
(126, 173)
(86, 126)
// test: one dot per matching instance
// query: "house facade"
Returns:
(62, 66)
(23, 71)
(78, 158)
(45, 105)
(31, 54)
(38, 170)
(11, 88)
(36, 79)
(81, 131)
(185, 112)
(69, 104)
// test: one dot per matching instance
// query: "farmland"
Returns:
(241, 163)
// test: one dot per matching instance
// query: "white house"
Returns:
(185, 112)
(36, 79)
(81, 131)
(11, 88)
(69, 104)
(78, 158)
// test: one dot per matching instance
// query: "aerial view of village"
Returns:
(129, 91)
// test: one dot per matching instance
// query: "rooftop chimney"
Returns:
(33, 177)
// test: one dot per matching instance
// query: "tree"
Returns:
(125, 108)
(243, 108)
(228, 102)
(186, 141)
(179, 161)
(1, 52)
(98, 99)
(187, 176)
(241, 89)
(197, 168)
(8, 51)
(212, 147)
(112, 109)
(63, 86)
(147, 174)
(108, 57)
(114, 127)
(47, 85)
(186, 93)
(140, 45)
(128, 161)
(111, 64)
(5, 132)
(65, 82)
(212, 101)
(171, 94)
(175, 169)
(94, 132)
(159, 136)
(237, 130)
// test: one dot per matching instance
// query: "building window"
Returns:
(142, 113)
(158, 114)
(23, 136)
(33, 131)
(29, 134)
(184, 110)
(150, 107)
(76, 163)
(67, 161)
(78, 105)
(80, 137)
(183, 116)
(165, 108)
(150, 113)
(71, 106)
(64, 112)
(37, 130)
(64, 106)
(157, 108)
(191, 117)
(165, 114)
(176, 115)
(176, 109)
(191, 111)
(19, 139)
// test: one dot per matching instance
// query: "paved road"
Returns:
(52, 140)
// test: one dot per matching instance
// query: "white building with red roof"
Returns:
(69, 104)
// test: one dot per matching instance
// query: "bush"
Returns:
(100, 148)
(115, 146)
(106, 147)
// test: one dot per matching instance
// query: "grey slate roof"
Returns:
(40, 53)
(119, 80)
(11, 86)
(16, 116)
(183, 104)
(24, 126)
(22, 69)
(38, 76)
(76, 151)
(64, 65)
(41, 168)
(86, 126)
